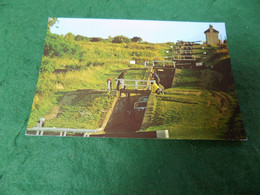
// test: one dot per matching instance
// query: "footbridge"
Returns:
(137, 84)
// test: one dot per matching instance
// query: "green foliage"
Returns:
(209, 79)
(81, 38)
(47, 65)
(195, 114)
(42, 104)
(51, 22)
(136, 39)
(220, 61)
(69, 37)
(59, 46)
(96, 39)
(194, 107)
(120, 39)
(73, 62)
(220, 53)
(86, 111)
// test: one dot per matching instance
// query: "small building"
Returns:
(212, 36)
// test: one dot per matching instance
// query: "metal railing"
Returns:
(39, 130)
(183, 57)
(169, 63)
(136, 83)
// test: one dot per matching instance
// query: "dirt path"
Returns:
(54, 113)
(70, 98)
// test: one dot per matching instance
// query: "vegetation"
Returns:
(71, 63)
(71, 90)
(195, 114)
(202, 103)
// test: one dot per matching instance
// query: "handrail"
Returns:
(63, 131)
(164, 62)
(136, 85)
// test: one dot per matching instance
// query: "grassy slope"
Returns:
(197, 108)
(193, 114)
(194, 108)
(98, 62)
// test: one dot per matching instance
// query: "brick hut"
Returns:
(212, 36)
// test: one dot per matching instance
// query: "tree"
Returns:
(96, 39)
(120, 39)
(53, 45)
(69, 37)
(136, 39)
(51, 22)
(110, 39)
(81, 38)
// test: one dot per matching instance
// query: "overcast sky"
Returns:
(148, 30)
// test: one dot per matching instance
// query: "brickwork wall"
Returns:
(212, 38)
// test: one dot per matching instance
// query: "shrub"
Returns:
(120, 39)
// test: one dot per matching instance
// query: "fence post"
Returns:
(136, 84)
(122, 83)
(40, 124)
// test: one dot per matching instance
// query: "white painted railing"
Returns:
(136, 83)
(62, 131)
(39, 130)
(184, 47)
(188, 52)
(169, 63)
(184, 57)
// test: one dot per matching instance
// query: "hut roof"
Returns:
(213, 30)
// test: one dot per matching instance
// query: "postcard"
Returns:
(136, 79)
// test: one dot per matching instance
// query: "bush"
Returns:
(120, 39)
(96, 39)
(136, 39)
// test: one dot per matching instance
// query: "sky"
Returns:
(149, 30)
